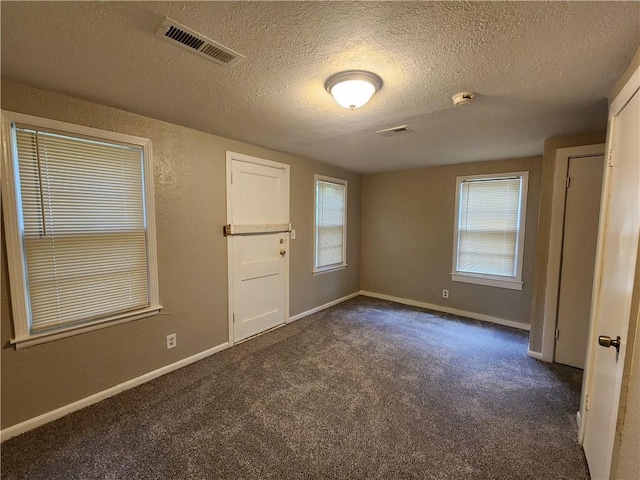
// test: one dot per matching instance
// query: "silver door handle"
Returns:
(605, 341)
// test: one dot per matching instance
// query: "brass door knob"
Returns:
(605, 341)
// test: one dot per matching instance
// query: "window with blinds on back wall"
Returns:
(330, 223)
(83, 228)
(490, 229)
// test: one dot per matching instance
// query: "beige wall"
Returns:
(192, 261)
(551, 145)
(407, 239)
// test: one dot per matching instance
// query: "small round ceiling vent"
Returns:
(463, 98)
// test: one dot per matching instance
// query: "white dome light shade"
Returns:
(354, 88)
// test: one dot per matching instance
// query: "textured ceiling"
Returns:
(540, 69)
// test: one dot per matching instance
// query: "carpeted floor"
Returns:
(365, 390)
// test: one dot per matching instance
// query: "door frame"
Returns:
(552, 290)
(230, 156)
(616, 106)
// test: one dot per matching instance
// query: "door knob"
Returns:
(605, 341)
(283, 252)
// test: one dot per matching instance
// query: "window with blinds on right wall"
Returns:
(330, 228)
(489, 229)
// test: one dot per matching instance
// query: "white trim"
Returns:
(625, 95)
(536, 355)
(23, 337)
(37, 339)
(14, 117)
(515, 282)
(579, 422)
(563, 155)
(323, 307)
(488, 280)
(40, 420)
(338, 181)
(256, 160)
(453, 311)
(150, 215)
(229, 158)
(330, 269)
(15, 261)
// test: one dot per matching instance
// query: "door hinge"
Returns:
(586, 402)
(231, 178)
(234, 317)
(568, 182)
(610, 158)
(557, 333)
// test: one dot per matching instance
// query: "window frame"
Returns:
(329, 268)
(509, 282)
(16, 258)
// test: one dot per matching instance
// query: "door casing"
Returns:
(630, 89)
(230, 156)
(555, 242)
(580, 233)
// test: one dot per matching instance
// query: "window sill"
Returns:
(329, 269)
(39, 338)
(488, 281)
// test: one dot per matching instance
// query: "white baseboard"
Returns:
(40, 420)
(453, 311)
(323, 307)
(536, 355)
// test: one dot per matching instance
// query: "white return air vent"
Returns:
(196, 43)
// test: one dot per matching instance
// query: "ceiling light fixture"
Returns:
(354, 88)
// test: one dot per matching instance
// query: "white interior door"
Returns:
(258, 241)
(580, 236)
(618, 247)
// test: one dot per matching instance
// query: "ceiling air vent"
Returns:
(387, 132)
(196, 43)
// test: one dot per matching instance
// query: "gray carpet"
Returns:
(365, 390)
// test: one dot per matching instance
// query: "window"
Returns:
(330, 250)
(489, 229)
(80, 228)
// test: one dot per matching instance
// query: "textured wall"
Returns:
(407, 238)
(551, 145)
(192, 261)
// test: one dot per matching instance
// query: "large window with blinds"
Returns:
(489, 229)
(330, 243)
(81, 240)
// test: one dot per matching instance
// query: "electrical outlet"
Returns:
(293, 234)
(445, 293)
(172, 341)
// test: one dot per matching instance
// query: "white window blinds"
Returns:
(330, 224)
(83, 227)
(489, 213)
